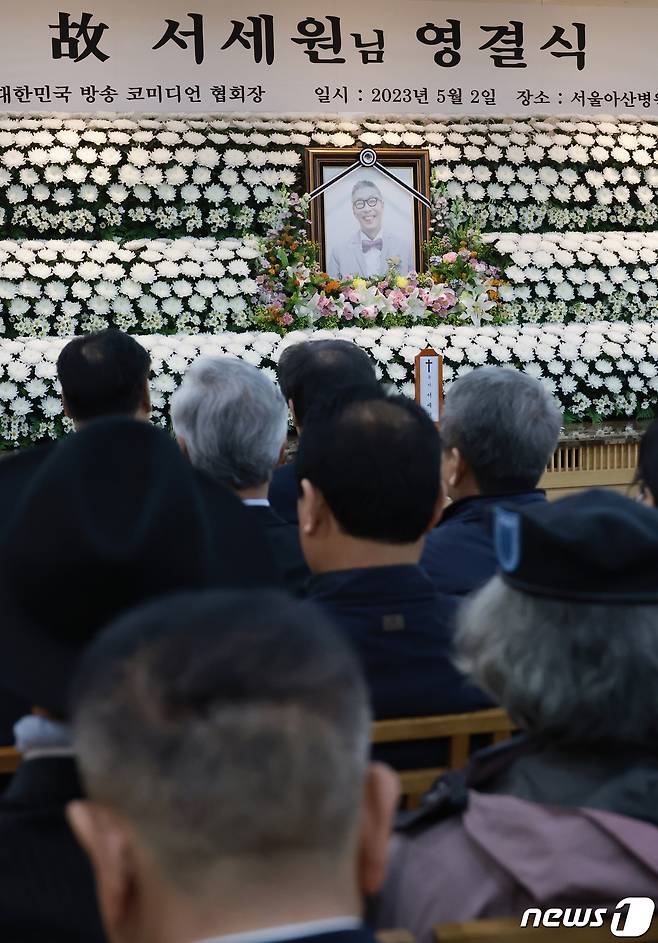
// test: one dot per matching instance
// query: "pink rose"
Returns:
(449, 257)
(286, 318)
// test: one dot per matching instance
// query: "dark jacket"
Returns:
(459, 554)
(283, 492)
(402, 631)
(16, 471)
(283, 539)
(46, 884)
(525, 825)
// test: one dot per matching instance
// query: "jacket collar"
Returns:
(366, 581)
(45, 781)
(478, 506)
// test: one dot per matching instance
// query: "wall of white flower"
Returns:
(604, 369)
(131, 176)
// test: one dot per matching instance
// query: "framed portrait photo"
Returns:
(369, 216)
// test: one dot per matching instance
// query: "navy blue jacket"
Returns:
(401, 629)
(459, 553)
(283, 492)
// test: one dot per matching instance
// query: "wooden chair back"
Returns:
(509, 930)
(457, 729)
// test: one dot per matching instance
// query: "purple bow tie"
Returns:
(372, 244)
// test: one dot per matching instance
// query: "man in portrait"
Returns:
(368, 251)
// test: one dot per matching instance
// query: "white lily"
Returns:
(476, 307)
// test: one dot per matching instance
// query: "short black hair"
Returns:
(377, 463)
(103, 374)
(314, 370)
(647, 461)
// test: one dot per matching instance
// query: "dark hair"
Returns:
(377, 464)
(315, 370)
(103, 374)
(647, 461)
(225, 724)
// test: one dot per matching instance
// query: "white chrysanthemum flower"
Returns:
(16, 194)
(234, 158)
(101, 176)
(129, 175)
(190, 193)
(110, 156)
(51, 406)
(505, 174)
(143, 273)
(176, 176)
(63, 196)
(495, 191)
(18, 371)
(239, 193)
(604, 196)
(475, 191)
(548, 176)
(527, 175)
(517, 193)
(463, 173)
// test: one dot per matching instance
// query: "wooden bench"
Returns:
(9, 760)
(456, 729)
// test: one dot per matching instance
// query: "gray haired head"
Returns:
(230, 728)
(233, 421)
(571, 672)
(505, 425)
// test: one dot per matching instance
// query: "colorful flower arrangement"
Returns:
(461, 282)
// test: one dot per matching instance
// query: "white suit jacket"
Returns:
(348, 259)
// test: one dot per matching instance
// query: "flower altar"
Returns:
(190, 233)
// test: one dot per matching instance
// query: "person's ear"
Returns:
(381, 795)
(146, 400)
(67, 411)
(106, 839)
(281, 460)
(310, 506)
(453, 468)
(182, 445)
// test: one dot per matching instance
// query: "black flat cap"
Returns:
(113, 516)
(596, 546)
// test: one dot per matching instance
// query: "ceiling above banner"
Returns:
(416, 57)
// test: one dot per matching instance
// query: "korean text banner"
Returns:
(413, 57)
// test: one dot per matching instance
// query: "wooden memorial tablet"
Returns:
(429, 382)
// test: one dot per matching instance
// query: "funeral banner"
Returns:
(411, 57)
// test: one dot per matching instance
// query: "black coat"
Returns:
(402, 631)
(47, 892)
(283, 540)
(16, 470)
(284, 492)
(459, 554)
